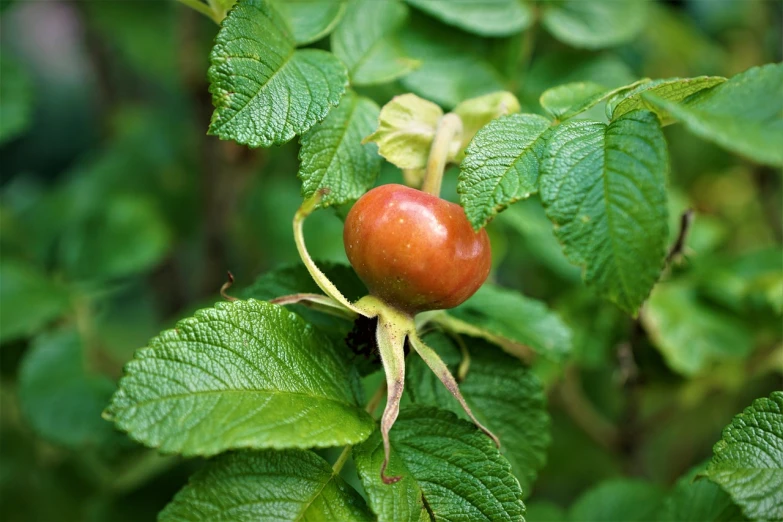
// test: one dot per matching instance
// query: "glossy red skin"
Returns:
(414, 250)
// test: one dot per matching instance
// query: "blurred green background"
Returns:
(119, 216)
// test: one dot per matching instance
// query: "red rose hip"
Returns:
(414, 250)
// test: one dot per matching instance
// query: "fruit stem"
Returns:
(449, 130)
(308, 206)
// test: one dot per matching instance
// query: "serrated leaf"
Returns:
(29, 299)
(366, 41)
(501, 166)
(333, 158)
(449, 469)
(568, 100)
(672, 89)
(494, 312)
(482, 17)
(16, 99)
(406, 128)
(503, 393)
(265, 91)
(60, 400)
(604, 188)
(311, 20)
(244, 374)
(477, 112)
(627, 500)
(748, 460)
(694, 500)
(595, 24)
(691, 335)
(743, 115)
(452, 68)
(266, 485)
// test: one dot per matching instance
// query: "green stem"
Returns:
(308, 206)
(449, 130)
(202, 8)
(376, 399)
(341, 460)
(464, 364)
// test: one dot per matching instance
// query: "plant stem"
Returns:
(376, 399)
(341, 460)
(584, 414)
(372, 405)
(449, 129)
(308, 206)
(202, 8)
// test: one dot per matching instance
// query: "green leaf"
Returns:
(482, 17)
(265, 91)
(266, 485)
(604, 188)
(748, 460)
(449, 470)
(366, 41)
(295, 279)
(29, 299)
(690, 334)
(333, 158)
(619, 500)
(534, 232)
(501, 166)
(406, 128)
(672, 89)
(311, 20)
(60, 400)
(565, 101)
(494, 312)
(503, 393)
(744, 114)
(16, 99)
(245, 374)
(452, 67)
(595, 24)
(694, 500)
(477, 112)
(125, 236)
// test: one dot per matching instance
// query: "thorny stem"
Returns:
(308, 206)
(449, 129)
(317, 302)
(202, 8)
(440, 369)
